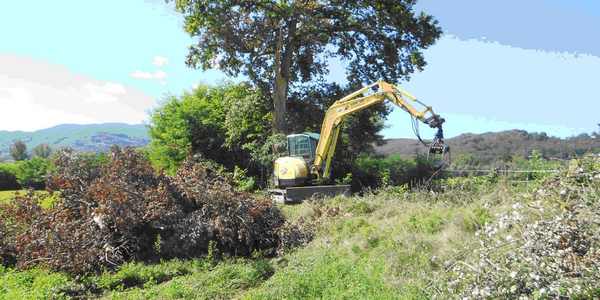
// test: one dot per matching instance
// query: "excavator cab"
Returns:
(303, 145)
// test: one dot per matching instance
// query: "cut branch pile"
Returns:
(126, 211)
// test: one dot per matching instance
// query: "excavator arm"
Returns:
(359, 100)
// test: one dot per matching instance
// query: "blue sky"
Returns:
(532, 65)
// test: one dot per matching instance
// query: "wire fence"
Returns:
(500, 171)
(512, 175)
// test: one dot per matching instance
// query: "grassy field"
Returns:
(384, 246)
(390, 245)
(8, 196)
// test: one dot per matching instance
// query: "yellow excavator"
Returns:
(298, 175)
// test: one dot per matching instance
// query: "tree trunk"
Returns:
(279, 103)
(283, 61)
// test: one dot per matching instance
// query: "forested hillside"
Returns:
(89, 138)
(493, 147)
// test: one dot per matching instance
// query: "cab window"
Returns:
(300, 146)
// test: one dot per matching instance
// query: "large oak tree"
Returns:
(279, 44)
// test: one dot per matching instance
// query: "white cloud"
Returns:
(159, 76)
(35, 95)
(105, 93)
(160, 61)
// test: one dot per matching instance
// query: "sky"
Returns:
(500, 65)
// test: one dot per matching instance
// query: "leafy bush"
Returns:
(376, 172)
(32, 173)
(224, 124)
(8, 178)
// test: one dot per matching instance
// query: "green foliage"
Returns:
(138, 274)
(345, 180)
(328, 275)
(231, 124)
(476, 218)
(32, 172)
(471, 183)
(32, 284)
(6, 196)
(8, 177)
(280, 44)
(361, 207)
(535, 162)
(226, 124)
(173, 279)
(426, 222)
(18, 150)
(465, 161)
(48, 200)
(375, 172)
(42, 150)
(242, 181)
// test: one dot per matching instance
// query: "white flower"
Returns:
(534, 276)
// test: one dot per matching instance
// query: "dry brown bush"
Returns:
(126, 211)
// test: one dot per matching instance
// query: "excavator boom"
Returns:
(370, 95)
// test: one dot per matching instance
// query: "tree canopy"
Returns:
(42, 150)
(221, 123)
(18, 150)
(279, 45)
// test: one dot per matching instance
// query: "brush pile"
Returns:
(546, 246)
(125, 211)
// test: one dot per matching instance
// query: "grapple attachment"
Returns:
(438, 150)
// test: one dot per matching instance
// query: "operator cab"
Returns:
(303, 145)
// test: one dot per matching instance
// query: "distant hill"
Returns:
(90, 138)
(494, 146)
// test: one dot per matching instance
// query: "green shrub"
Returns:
(224, 123)
(32, 173)
(8, 178)
(375, 172)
